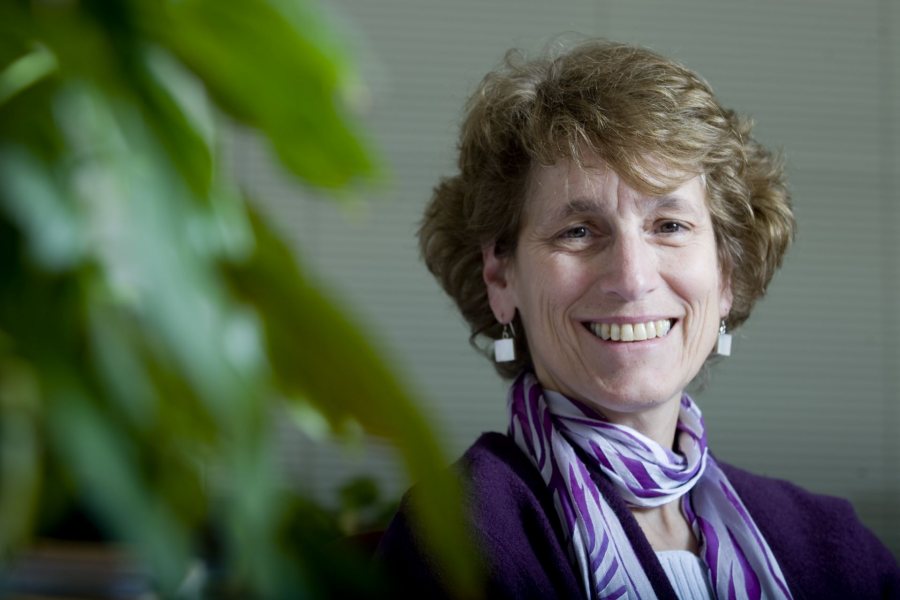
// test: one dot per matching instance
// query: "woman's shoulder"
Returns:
(818, 539)
(495, 460)
(774, 496)
(512, 522)
(505, 495)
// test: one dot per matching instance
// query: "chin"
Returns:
(629, 400)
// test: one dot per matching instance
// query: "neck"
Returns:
(666, 527)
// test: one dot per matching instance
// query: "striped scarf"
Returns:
(568, 442)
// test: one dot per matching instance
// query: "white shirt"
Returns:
(687, 573)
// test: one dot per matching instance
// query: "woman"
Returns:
(609, 224)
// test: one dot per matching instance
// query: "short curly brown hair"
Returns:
(622, 104)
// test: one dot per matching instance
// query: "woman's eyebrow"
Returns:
(579, 206)
(671, 202)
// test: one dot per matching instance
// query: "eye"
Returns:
(576, 232)
(671, 227)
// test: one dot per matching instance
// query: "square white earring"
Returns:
(505, 347)
(723, 347)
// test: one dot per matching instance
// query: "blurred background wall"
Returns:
(812, 391)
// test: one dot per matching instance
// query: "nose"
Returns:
(630, 267)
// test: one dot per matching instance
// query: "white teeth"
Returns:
(640, 332)
(631, 332)
(662, 327)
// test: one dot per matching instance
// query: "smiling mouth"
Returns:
(631, 332)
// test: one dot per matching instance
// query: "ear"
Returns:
(726, 296)
(496, 273)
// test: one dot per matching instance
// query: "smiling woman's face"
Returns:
(620, 293)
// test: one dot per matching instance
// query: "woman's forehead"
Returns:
(567, 188)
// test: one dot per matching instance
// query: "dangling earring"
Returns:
(723, 348)
(505, 348)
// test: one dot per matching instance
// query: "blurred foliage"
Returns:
(150, 317)
(361, 508)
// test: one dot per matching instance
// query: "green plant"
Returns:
(149, 316)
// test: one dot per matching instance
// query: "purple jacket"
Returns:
(823, 549)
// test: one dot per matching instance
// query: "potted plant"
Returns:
(151, 320)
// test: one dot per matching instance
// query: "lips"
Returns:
(631, 332)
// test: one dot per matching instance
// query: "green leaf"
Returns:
(21, 448)
(25, 71)
(37, 201)
(268, 73)
(158, 83)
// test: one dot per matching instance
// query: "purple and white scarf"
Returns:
(560, 435)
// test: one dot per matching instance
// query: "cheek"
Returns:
(552, 284)
(570, 276)
(699, 285)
